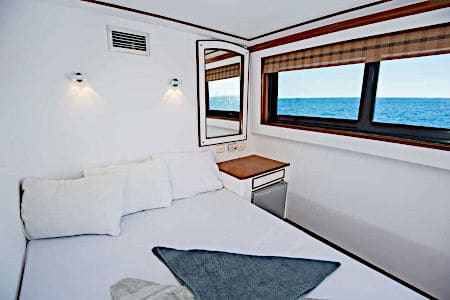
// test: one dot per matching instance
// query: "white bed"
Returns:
(84, 267)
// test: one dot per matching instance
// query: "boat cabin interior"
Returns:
(234, 149)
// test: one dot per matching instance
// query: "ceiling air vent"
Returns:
(128, 41)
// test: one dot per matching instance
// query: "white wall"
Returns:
(53, 129)
(49, 128)
(386, 202)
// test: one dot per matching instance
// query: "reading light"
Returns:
(174, 82)
(77, 77)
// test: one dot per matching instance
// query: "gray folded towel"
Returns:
(223, 275)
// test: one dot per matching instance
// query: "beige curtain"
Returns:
(410, 43)
(223, 72)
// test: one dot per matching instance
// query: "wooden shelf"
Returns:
(250, 166)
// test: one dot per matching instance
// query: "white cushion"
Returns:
(147, 184)
(192, 173)
(54, 208)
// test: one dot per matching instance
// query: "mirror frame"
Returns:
(201, 94)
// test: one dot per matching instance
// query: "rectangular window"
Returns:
(391, 87)
(414, 91)
(330, 92)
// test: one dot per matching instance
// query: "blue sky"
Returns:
(412, 77)
(225, 87)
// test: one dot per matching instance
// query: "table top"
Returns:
(250, 166)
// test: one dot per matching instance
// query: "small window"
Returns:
(224, 94)
(330, 92)
(414, 91)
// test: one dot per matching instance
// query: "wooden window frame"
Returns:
(364, 127)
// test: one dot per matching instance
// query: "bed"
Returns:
(84, 267)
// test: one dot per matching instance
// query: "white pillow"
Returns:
(147, 184)
(54, 208)
(192, 173)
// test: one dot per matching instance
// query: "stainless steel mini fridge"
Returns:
(272, 198)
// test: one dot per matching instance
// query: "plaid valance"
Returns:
(223, 72)
(409, 43)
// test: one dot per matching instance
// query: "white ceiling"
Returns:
(245, 18)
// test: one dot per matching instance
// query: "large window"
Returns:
(414, 91)
(391, 87)
(331, 92)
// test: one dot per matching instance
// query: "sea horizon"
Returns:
(416, 111)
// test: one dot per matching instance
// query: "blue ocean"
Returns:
(228, 103)
(429, 112)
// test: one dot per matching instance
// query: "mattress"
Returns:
(84, 267)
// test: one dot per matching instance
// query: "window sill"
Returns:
(386, 147)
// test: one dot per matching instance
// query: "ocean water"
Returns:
(227, 103)
(429, 112)
(336, 108)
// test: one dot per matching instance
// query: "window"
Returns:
(390, 87)
(331, 92)
(414, 91)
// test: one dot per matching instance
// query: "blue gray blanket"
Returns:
(222, 275)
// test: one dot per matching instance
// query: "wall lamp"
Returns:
(174, 82)
(77, 77)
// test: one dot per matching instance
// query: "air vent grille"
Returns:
(129, 41)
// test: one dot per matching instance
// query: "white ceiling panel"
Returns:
(245, 18)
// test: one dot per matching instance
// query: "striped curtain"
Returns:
(409, 43)
(223, 72)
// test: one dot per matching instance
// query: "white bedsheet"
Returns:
(84, 267)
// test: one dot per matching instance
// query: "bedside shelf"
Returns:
(250, 166)
(257, 179)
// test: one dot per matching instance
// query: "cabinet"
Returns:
(258, 179)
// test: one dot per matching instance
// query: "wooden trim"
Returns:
(264, 96)
(112, 5)
(369, 136)
(321, 18)
(222, 118)
(356, 22)
(222, 114)
(359, 259)
(364, 127)
(221, 57)
(250, 166)
(220, 136)
(211, 51)
(149, 14)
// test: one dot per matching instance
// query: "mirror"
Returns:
(222, 92)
